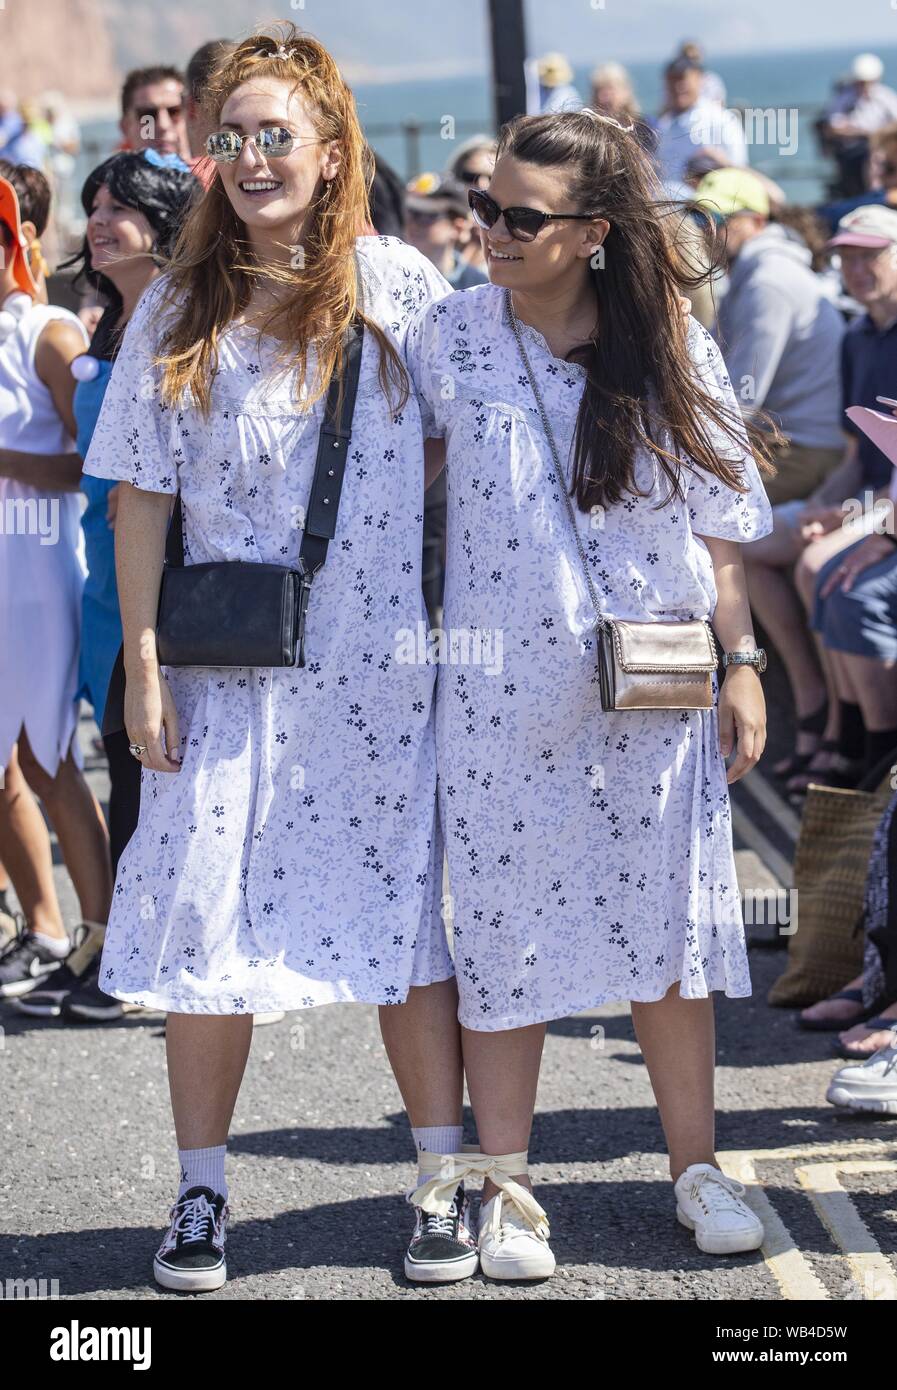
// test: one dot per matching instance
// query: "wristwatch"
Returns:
(756, 658)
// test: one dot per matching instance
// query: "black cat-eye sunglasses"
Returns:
(524, 224)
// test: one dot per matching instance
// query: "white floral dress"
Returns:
(590, 854)
(295, 857)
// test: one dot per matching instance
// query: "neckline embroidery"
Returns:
(539, 340)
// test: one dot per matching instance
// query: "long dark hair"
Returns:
(641, 383)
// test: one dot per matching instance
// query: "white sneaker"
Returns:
(871, 1086)
(709, 1203)
(510, 1246)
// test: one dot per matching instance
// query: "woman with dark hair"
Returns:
(134, 204)
(590, 853)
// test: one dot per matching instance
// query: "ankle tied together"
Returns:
(437, 1193)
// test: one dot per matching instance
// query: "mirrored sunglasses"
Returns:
(273, 142)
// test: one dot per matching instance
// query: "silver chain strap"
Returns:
(549, 434)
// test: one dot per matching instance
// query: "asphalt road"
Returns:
(320, 1156)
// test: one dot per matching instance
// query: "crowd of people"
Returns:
(184, 283)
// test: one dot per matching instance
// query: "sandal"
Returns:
(875, 1025)
(842, 772)
(833, 1025)
(810, 724)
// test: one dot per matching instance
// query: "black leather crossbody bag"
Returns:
(241, 613)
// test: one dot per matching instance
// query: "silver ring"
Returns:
(137, 749)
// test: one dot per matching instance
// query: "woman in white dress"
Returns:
(590, 854)
(41, 578)
(287, 853)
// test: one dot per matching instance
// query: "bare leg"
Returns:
(78, 821)
(422, 1038)
(502, 1078)
(25, 848)
(677, 1039)
(875, 686)
(206, 1059)
(777, 604)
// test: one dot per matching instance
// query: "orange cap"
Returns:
(11, 217)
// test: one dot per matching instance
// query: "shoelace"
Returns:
(717, 1190)
(441, 1224)
(197, 1220)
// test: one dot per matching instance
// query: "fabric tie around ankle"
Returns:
(437, 1193)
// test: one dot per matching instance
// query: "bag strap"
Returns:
(330, 464)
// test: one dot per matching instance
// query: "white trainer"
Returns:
(871, 1086)
(510, 1246)
(709, 1203)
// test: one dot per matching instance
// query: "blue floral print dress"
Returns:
(295, 857)
(590, 854)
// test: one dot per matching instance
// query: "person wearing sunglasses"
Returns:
(438, 223)
(287, 853)
(153, 112)
(472, 164)
(590, 854)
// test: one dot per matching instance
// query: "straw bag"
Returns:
(830, 867)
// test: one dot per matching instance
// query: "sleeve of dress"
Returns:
(421, 350)
(714, 508)
(136, 439)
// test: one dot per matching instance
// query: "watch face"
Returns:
(761, 662)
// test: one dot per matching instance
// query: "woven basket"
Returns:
(830, 866)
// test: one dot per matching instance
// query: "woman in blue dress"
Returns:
(134, 204)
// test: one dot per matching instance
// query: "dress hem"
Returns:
(149, 1000)
(508, 1022)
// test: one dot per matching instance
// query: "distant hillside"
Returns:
(83, 47)
(62, 45)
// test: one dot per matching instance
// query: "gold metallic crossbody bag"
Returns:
(641, 665)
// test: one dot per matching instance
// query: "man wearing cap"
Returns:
(863, 106)
(689, 123)
(437, 223)
(779, 334)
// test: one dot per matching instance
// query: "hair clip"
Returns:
(279, 52)
(612, 120)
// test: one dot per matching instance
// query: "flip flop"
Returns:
(874, 1025)
(829, 1025)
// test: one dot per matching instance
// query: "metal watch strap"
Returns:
(549, 434)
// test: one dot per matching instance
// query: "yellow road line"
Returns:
(791, 1270)
(873, 1270)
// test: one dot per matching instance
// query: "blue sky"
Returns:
(429, 35)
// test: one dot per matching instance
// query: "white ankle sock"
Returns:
(437, 1139)
(203, 1168)
(58, 946)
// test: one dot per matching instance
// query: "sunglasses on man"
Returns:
(174, 113)
(523, 224)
